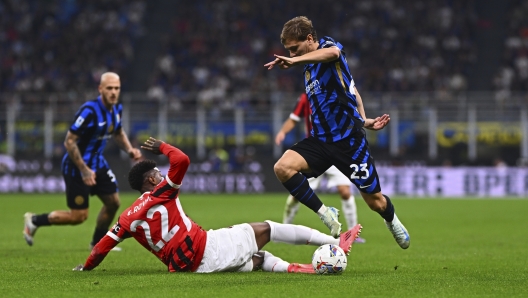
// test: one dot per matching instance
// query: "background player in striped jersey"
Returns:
(84, 167)
(338, 119)
(157, 221)
(334, 177)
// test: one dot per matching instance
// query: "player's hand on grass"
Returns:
(377, 123)
(79, 267)
(152, 145)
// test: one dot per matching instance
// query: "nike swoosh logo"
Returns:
(102, 123)
(406, 235)
(364, 186)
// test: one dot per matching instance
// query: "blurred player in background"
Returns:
(157, 221)
(84, 167)
(338, 137)
(335, 178)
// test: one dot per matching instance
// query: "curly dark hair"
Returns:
(136, 176)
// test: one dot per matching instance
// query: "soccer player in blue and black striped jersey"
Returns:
(338, 136)
(84, 167)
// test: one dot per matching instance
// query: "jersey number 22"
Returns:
(166, 234)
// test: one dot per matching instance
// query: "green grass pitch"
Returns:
(459, 248)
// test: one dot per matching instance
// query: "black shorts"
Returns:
(351, 156)
(77, 192)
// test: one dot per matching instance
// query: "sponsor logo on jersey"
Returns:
(105, 137)
(313, 87)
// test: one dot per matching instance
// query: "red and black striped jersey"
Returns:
(302, 110)
(157, 221)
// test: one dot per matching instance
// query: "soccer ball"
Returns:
(329, 259)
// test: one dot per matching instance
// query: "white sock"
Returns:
(290, 210)
(350, 211)
(298, 235)
(321, 210)
(274, 264)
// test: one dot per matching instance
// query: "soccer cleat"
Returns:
(290, 210)
(347, 238)
(330, 219)
(399, 232)
(360, 240)
(115, 248)
(29, 228)
(301, 268)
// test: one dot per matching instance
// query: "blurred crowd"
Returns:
(513, 72)
(214, 48)
(219, 47)
(65, 45)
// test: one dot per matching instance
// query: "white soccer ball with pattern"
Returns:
(329, 259)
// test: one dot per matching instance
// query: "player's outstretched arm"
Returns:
(70, 142)
(123, 143)
(287, 126)
(377, 123)
(98, 254)
(179, 161)
(317, 56)
(372, 124)
(153, 145)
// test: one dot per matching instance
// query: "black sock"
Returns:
(98, 234)
(388, 214)
(299, 187)
(41, 220)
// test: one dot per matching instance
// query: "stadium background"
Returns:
(453, 75)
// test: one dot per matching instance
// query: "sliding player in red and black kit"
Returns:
(157, 221)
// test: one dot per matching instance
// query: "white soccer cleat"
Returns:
(331, 219)
(29, 228)
(290, 210)
(399, 232)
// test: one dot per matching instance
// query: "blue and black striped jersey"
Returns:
(94, 124)
(330, 89)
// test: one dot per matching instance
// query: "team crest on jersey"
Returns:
(307, 75)
(79, 121)
(111, 128)
(115, 229)
(79, 200)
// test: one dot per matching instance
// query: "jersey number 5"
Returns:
(166, 234)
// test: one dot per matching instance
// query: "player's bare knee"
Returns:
(345, 195)
(278, 168)
(344, 191)
(113, 205)
(78, 217)
(111, 202)
(282, 170)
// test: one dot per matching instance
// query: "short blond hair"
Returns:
(297, 29)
